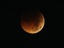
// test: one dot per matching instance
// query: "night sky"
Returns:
(12, 33)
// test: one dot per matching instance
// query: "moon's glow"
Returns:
(32, 22)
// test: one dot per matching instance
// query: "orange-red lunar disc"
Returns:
(32, 22)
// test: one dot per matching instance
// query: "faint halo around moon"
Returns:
(32, 22)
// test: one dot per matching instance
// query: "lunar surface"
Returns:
(32, 22)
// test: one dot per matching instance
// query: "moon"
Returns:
(32, 22)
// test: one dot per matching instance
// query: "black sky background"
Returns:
(12, 34)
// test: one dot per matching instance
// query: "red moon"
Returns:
(32, 22)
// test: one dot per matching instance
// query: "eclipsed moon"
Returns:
(32, 22)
